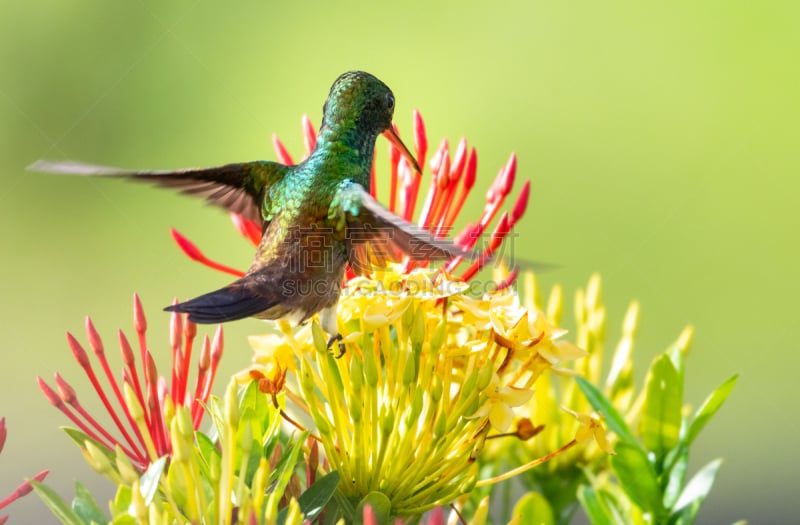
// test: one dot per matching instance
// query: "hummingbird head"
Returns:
(360, 103)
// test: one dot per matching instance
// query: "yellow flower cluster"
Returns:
(428, 373)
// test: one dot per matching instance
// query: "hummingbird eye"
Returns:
(389, 101)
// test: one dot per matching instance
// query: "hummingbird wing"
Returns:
(375, 235)
(238, 188)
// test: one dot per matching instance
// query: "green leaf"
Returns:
(57, 506)
(124, 519)
(709, 407)
(699, 486)
(206, 447)
(148, 483)
(177, 486)
(216, 409)
(86, 506)
(660, 426)
(534, 508)
(604, 407)
(592, 505)
(252, 408)
(637, 477)
(287, 463)
(381, 507)
(676, 475)
(122, 500)
(313, 501)
(676, 358)
(80, 439)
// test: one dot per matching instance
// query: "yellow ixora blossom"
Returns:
(590, 428)
(427, 376)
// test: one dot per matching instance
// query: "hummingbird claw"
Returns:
(337, 339)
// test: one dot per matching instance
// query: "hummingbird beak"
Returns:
(395, 140)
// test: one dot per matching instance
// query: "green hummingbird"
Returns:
(316, 216)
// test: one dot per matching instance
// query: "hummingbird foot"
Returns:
(327, 319)
(337, 339)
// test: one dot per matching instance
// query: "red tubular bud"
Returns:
(280, 151)
(189, 329)
(194, 253)
(508, 281)
(187, 246)
(139, 319)
(509, 174)
(21, 491)
(436, 160)
(499, 233)
(77, 350)
(150, 372)
(472, 170)
(94, 338)
(309, 135)
(420, 138)
(494, 193)
(3, 432)
(41, 475)
(394, 153)
(522, 203)
(217, 345)
(459, 160)
(436, 516)
(248, 229)
(368, 516)
(443, 179)
(126, 377)
(49, 393)
(175, 328)
(394, 159)
(373, 182)
(65, 391)
(205, 355)
(126, 351)
(464, 236)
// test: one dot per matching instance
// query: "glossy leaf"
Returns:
(207, 448)
(81, 438)
(593, 506)
(60, 509)
(381, 507)
(287, 463)
(148, 483)
(86, 506)
(709, 407)
(660, 425)
(637, 477)
(121, 502)
(313, 501)
(699, 486)
(534, 508)
(124, 519)
(612, 418)
(178, 487)
(676, 475)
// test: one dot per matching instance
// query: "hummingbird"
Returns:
(316, 217)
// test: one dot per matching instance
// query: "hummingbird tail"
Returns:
(226, 304)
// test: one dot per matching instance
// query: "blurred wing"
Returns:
(238, 188)
(375, 235)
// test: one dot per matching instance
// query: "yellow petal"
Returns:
(500, 416)
(602, 442)
(516, 396)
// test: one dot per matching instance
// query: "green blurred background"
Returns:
(662, 142)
